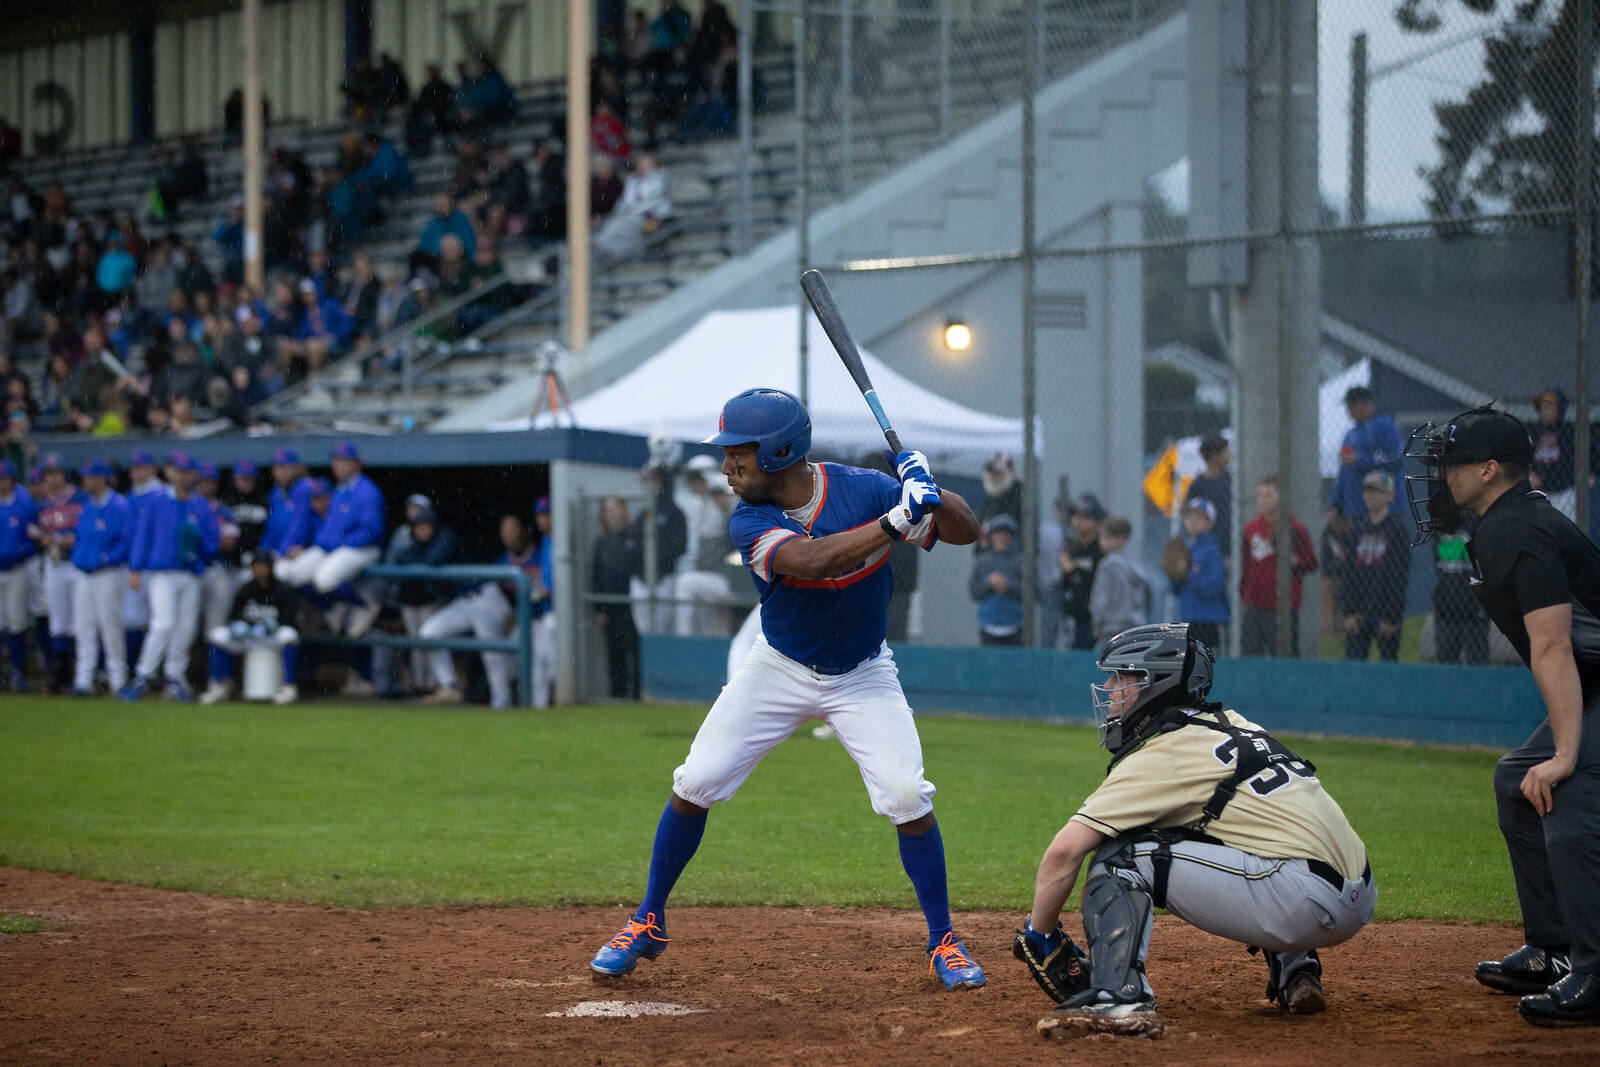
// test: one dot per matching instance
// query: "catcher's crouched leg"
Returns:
(1117, 915)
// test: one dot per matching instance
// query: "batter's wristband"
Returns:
(888, 527)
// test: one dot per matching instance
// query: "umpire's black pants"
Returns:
(1556, 859)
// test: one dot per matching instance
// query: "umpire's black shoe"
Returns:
(1573, 1001)
(1527, 970)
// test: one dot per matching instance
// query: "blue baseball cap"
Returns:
(35, 475)
(245, 468)
(541, 506)
(208, 472)
(285, 457)
(319, 487)
(345, 450)
(182, 461)
(52, 462)
(141, 458)
(98, 468)
(8, 469)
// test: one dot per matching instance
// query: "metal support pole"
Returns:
(802, 113)
(944, 69)
(743, 236)
(1357, 213)
(846, 97)
(525, 638)
(1583, 254)
(1285, 528)
(1030, 463)
(580, 16)
(250, 38)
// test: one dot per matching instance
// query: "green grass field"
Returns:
(397, 806)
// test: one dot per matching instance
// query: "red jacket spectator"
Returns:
(1258, 584)
(610, 135)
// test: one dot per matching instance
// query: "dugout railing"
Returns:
(519, 645)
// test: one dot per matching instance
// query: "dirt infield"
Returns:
(127, 975)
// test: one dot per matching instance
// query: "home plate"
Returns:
(623, 1009)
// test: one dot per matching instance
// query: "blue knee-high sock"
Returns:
(677, 837)
(221, 663)
(133, 644)
(17, 643)
(291, 660)
(922, 855)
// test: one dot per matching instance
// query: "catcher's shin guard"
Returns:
(1116, 924)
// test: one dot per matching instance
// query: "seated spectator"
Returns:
(391, 297)
(715, 101)
(282, 311)
(677, 82)
(183, 177)
(325, 329)
(262, 614)
(457, 274)
(996, 584)
(362, 92)
(394, 89)
(638, 214)
(361, 298)
(117, 269)
(508, 182)
(609, 135)
(53, 392)
(605, 188)
(716, 33)
(228, 236)
(484, 98)
(547, 217)
(193, 274)
(433, 113)
(184, 377)
(446, 220)
(240, 392)
(640, 42)
(386, 171)
(670, 29)
(249, 349)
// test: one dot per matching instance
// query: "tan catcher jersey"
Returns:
(1281, 813)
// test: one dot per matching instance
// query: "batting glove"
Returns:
(912, 464)
(918, 496)
(898, 525)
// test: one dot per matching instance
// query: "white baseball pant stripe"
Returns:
(174, 619)
(38, 607)
(484, 614)
(223, 638)
(60, 577)
(14, 617)
(217, 586)
(97, 611)
(771, 696)
(543, 636)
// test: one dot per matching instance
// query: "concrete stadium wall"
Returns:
(1492, 706)
(79, 86)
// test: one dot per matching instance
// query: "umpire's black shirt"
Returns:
(1527, 555)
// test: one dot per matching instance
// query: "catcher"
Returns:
(1204, 814)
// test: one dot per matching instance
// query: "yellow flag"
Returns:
(1158, 483)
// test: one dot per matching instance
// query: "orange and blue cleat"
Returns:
(949, 960)
(640, 939)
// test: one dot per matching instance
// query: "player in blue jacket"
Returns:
(60, 506)
(17, 514)
(816, 538)
(100, 556)
(143, 486)
(351, 540)
(544, 613)
(176, 538)
(1372, 444)
(288, 530)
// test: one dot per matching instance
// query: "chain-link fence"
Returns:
(1230, 252)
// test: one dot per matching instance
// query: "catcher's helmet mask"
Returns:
(1474, 436)
(1174, 671)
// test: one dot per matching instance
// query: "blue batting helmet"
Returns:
(771, 419)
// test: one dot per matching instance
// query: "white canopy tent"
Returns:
(679, 392)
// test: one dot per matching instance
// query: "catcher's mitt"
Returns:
(1175, 560)
(1061, 973)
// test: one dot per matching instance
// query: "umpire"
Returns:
(1538, 579)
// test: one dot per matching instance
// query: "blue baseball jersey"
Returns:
(17, 513)
(834, 623)
(59, 515)
(290, 523)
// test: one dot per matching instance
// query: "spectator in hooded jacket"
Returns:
(1203, 595)
(325, 329)
(1372, 590)
(996, 584)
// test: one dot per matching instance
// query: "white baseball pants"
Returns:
(484, 614)
(326, 570)
(38, 607)
(217, 586)
(97, 613)
(223, 638)
(60, 578)
(136, 608)
(174, 618)
(14, 617)
(543, 636)
(771, 696)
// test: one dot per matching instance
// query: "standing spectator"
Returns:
(1371, 444)
(616, 556)
(508, 183)
(1002, 490)
(1554, 467)
(1216, 485)
(175, 540)
(638, 214)
(1120, 599)
(1460, 628)
(447, 219)
(1079, 561)
(1258, 584)
(484, 98)
(996, 584)
(324, 328)
(547, 219)
(670, 29)
(228, 236)
(361, 299)
(394, 89)
(262, 613)
(1203, 591)
(1372, 594)
(433, 113)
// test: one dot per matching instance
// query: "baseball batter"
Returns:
(816, 539)
(17, 515)
(100, 557)
(59, 511)
(1204, 814)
